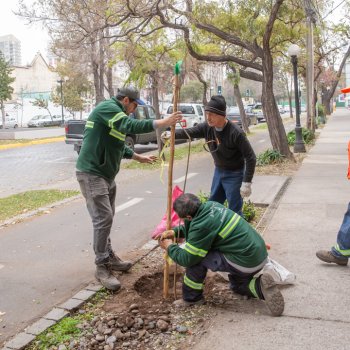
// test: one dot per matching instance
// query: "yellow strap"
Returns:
(162, 163)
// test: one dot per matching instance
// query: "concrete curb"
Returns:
(271, 209)
(33, 142)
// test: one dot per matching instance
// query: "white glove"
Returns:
(246, 189)
(165, 136)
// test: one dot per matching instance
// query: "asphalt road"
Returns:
(44, 260)
(53, 164)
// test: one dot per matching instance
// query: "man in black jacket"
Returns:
(233, 155)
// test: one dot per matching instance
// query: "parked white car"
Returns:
(193, 114)
(10, 122)
(39, 121)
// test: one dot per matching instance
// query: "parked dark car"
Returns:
(233, 114)
(75, 129)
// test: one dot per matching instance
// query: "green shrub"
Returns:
(321, 117)
(269, 156)
(308, 136)
(248, 210)
(320, 110)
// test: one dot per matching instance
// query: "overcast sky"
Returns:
(33, 38)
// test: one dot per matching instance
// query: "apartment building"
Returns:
(10, 46)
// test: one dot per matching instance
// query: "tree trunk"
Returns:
(327, 105)
(95, 71)
(155, 99)
(3, 114)
(205, 88)
(109, 72)
(101, 67)
(99, 98)
(326, 101)
(238, 97)
(314, 106)
(276, 129)
(110, 81)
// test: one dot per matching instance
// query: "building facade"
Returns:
(35, 80)
(10, 46)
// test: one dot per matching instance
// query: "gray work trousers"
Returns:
(100, 196)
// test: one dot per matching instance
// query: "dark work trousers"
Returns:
(100, 196)
(226, 184)
(192, 288)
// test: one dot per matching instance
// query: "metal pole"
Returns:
(299, 145)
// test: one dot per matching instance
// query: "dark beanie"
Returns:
(217, 105)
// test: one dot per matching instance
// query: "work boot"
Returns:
(104, 275)
(328, 257)
(183, 303)
(272, 295)
(117, 264)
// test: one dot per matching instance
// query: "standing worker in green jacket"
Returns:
(98, 163)
(220, 240)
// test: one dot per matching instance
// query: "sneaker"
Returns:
(328, 257)
(272, 295)
(105, 277)
(183, 303)
(117, 264)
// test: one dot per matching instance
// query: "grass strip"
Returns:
(23, 202)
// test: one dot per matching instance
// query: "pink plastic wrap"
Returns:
(161, 227)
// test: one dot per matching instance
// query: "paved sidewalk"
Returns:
(307, 219)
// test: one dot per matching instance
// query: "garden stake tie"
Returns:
(176, 93)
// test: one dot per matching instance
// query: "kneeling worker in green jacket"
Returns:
(220, 240)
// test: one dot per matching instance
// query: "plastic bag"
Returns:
(278, 272)
(161, 227)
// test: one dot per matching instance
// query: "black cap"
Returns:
(217, 105)
(131, 92)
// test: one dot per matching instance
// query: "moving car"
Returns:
(10, 122)
(193, 114)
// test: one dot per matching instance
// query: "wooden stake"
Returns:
(170, 180)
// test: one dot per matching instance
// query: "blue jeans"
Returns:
(192, 288)
(226, 184)
(342, 248)
(100, 196)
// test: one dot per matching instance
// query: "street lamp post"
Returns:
(210, 92)
(299, 146)
(61, 87)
